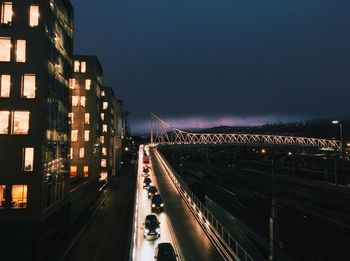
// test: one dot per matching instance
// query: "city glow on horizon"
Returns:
(202, 122)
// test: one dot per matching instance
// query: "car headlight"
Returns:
(146, 230)
(157, 230)
(149, 194)
(150, 183)
(153, 205)
(162, 205)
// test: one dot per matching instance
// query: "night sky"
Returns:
(199, 63)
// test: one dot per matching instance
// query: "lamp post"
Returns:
(341, 134)
(341, 151)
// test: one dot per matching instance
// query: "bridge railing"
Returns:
(225, 243)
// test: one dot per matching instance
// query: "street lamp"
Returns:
(341, 134)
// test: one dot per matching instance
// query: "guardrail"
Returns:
(227, 246)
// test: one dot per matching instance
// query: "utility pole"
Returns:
(273, 221)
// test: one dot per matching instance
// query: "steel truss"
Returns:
(164, 133)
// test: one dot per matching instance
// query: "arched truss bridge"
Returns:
(165, 134)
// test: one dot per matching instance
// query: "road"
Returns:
(107, 237)
(178, 225)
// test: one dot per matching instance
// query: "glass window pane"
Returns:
(28, 159)
(71, 153)
(21, 51)
(102, 139)
(19, 196)
(34, 15)
(102, 116)
(83, 67)
(103, 163)
(6, 13)
(76, 66)
(4, 122)
(87, 84)
(71, 83)
(75, 100)
(81, 153)
(104, 151)
(86, 135)
(74, 135)
(5, 49)
(71, 118)
(87, 118)
(2, 196)
(105, 105)
(104, 128)
(21, 122)
(73, 171)
(82, 101)
(29, 86)
(86, 171)
(5, 85)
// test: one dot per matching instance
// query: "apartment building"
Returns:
(85, 151)
(36, 41)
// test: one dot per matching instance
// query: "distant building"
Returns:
(111, 133)
(86, 131)
(35, 66)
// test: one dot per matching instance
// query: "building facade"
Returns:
(36, 45)
(86, 129)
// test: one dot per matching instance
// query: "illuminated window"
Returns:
(71, 153)
(103, 176)
(86, 135)
(82, 101)
(5, 85)
(83, 67)
(20, 123)
(103, 163)
(81, 153)
(73, 171)
(34, 15)
(4, 122)
(103, 93)
(2, 196)
(104, 128)
(76, 66)
(5, 49)
(102, 139)
(21, 51)
(75, 100)
(29, 86)
(71, 83)
(74, 135)
(104, 151)
(28, 159)
(105, 105)
(6, 13)
(71, 117)
(87, 84)
(86, 171)
(19, 196)
(102, 116)
(87, 118)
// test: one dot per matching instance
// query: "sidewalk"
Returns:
(73, 244)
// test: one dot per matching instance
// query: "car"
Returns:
(151, 227)
(157, 204)
(146, 159)
(152, 190)
(165, 252)
(147, 182)
(145, 169)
